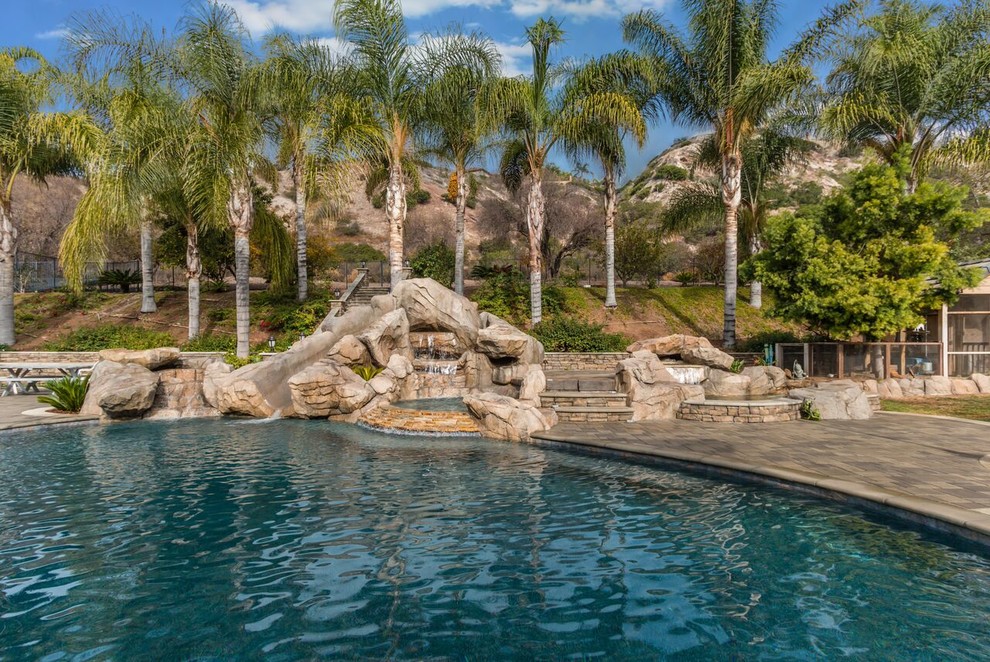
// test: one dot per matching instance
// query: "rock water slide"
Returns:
(496, 367)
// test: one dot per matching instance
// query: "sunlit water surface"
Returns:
(294, 540)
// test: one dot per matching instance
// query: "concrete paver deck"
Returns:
(12, 408)
(937, 468)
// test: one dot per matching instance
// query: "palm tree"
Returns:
(535, 114)
(226, 148)
(699, 204)
(387, 80)
(623, 73)
(450, 123)
(303, 78)
(120, 81)
(26, 81)
(720, 76)
(914, 79)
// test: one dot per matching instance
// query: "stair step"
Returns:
(594, 414)
(581, 384)
(610, 399)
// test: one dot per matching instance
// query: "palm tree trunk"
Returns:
(147, 270)
(756, 287)
(240, 213)
(610, 196)
(462, 194)
(731, 197)
(8, 253)
(302, 281)
(395, 206)
(535, 210)
(194, 270)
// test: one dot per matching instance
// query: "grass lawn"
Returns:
(972, 407)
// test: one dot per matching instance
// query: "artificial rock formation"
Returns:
(152, 359)
(670, 346)
(651, 390)
(707, 356)
(838, 400)
(502, 417)
(387, 336)
(120, 390)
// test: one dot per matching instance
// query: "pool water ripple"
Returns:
(219, 540)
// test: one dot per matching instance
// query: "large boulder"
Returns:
(708, 356)
(387, 336)
(327, 389)
(643, 368)
(669, 346)
(724, 384)
(180, 396)
(212, 372)
(502, 417)
(912, 387)
(350, 351)
(533, 385)
(964, 387)
(765, 380)
(152, 359)
(120, 390)
(498, 339)
(889, 389)
(938, 386)
(652, 392)
(430, 305)
(838, 400)
(982, 382)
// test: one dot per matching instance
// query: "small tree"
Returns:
(874, 260)
(436, 261)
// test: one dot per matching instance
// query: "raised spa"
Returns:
(299, 540)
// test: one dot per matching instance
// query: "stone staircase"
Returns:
(585, 397)
(362, 295)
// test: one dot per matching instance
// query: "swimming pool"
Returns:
(293, 540)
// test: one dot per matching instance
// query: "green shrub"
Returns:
(348, 227)
(564, 334)
(737, 366)
(417, 197)
(755, 342)
(348, 252)
(671, 173)
(211, 343)
(4, 348)
(808, 411)
(122, 278)
(435, 261)
(109, 336)
(367, 372)
(236, 362)
(68, 393)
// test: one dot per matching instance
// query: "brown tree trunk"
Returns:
(302, 277)
(8, 253)
(395, 207)
(756, 287)
(194, 271)
(610, 211)
(731, 197)
(535, 210)
(148, 304)
(462, 196)
(240, 214)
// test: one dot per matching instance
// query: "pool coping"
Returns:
(971, 525)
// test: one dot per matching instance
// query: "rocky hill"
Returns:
(43, 211)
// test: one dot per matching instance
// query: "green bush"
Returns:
(417, 197)
(686, 277)
(435, 261)
(236, 362)
(211, 343)
(109, 336)
(755, 342)
(737, 366)
(564, 334)
(122, 278)
(348, 252)
(671, 173)
(68, 393)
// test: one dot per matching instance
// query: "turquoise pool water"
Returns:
(433, 404)
(297, 540)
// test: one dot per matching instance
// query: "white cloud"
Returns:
(57, 33)
(336, 46)
(310, 16)
(582, 9)
(516, 58)
(261, 16)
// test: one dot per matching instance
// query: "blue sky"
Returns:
(592, 28)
